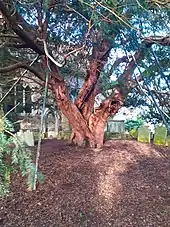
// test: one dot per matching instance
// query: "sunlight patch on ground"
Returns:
(110, 171)
(147, 150)
(106, 188)
(109, 187)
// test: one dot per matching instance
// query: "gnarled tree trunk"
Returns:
(88, 123)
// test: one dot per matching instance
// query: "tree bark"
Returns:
(107, 108)
(80, 130)
(86, 97)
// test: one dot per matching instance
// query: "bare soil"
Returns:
(124, 184)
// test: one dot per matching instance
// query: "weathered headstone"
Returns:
(21, 136)
(26, 137)
(29, 138)
(65, 124)
(144, 134)
(160, 135)
(64, 129)
(52, 134)
(168, 141)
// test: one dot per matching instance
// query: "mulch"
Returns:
(124, 184)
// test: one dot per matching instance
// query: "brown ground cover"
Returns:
(124, 184)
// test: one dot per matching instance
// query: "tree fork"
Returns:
(86, 96)
(79, 125)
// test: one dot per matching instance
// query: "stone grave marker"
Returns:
(160, 135)
(115, 126)
(64, 129)
(21, 136)
(26, 137)
(144, 134)
(168, 141)
(65, 124)
(29, 138)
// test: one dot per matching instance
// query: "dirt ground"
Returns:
(125, 184)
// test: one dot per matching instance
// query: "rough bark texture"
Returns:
(86, 96)
(98, 119)
(81, 131)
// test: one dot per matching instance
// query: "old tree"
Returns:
(95, 41)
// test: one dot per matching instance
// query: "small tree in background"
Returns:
(133, 124)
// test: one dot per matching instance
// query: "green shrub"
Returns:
(133, 124)
(133, 133)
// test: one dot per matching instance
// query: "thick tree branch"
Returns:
(40, 17)
(16, 45)
(118, 61)
(127, 74)
(24, 66)
(113, 103)
(19, 29)
(99, 57)
(161, 40)
(24, 33)
(9, 36)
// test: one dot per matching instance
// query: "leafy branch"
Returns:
(14, 157)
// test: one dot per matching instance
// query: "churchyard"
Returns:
(67, 70)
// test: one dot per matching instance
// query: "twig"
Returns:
(77, 13)
(49, 56)
(74, 51)
(9, 36)
(117, 16)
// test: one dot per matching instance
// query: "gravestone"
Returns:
(29, 138)
(65, 123)
(26, 137)
(160, 135)
(144, 134)
(52, 134)
(21, 136)
(168, 141)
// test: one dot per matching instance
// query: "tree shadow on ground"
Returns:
(143, 192)
(146, 198)
(124, 184)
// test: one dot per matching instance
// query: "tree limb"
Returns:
(24, 66)
(161, 40)
(117, 62)
(15, 45)
(127, 74)
(99, 57)
(19, 30)
(113, 103)
(9, 36)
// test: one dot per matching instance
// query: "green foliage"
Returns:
(14, 157)
(133, 125)
(133, 133)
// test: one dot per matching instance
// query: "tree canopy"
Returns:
(116, 48)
